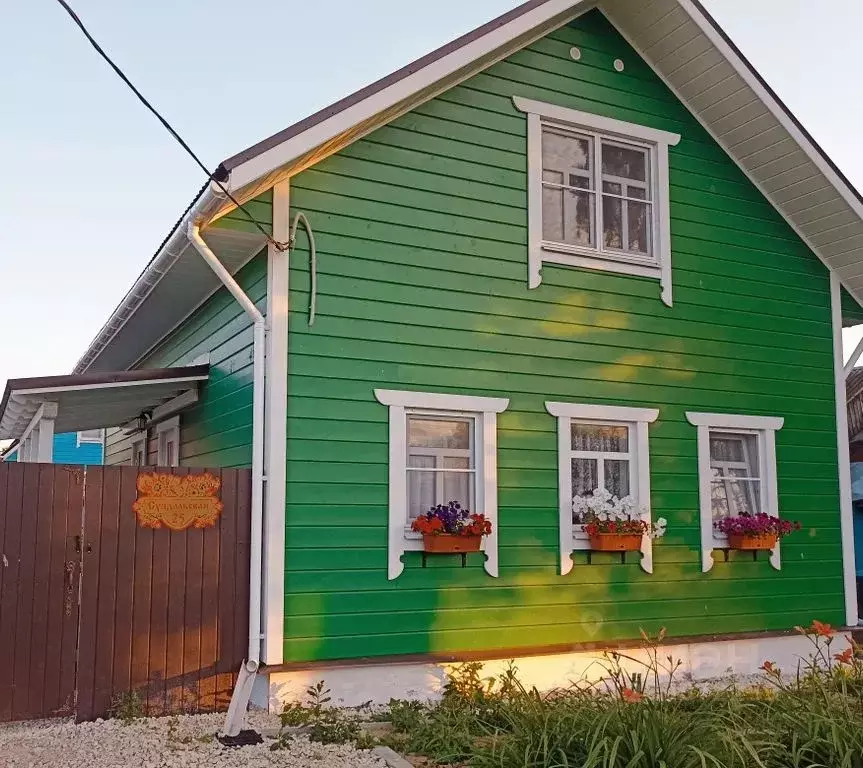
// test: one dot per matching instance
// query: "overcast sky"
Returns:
(92, 184)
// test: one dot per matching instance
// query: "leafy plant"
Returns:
(321, 723)
(127, 707)
(637, 716)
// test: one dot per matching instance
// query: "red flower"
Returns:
(845, 657)
(630, 696)
(821, 629)
(769, 667)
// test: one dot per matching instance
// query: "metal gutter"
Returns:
(209, 200)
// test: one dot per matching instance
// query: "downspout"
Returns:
(258, 350)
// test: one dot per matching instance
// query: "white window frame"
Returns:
(139, 442)
(166, 431)
(484, 411)
(572, 536)
(656, 142)
(81, 440)
(764, 428)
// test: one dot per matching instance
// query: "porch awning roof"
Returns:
(93, 400)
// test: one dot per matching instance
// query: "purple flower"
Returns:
(452, 516)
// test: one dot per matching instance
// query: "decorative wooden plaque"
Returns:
(177, 501)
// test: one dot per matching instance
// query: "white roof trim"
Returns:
(440, 71)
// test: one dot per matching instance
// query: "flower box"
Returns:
(449, 542)
(616, 542)
(749, 542)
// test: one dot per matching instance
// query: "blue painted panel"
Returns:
(67, 451)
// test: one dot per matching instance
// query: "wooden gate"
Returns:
(94, 607)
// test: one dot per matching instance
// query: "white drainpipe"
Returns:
(255, 556)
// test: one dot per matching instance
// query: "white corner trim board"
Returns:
(572, 538)
(652, 140)
(764, 428)
(484, 410)
(846, 514)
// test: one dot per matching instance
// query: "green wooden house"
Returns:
(584, 246)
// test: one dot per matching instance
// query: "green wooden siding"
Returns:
(217, 431)
(421, 230)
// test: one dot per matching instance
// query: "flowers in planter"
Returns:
(603, 513)
(757, 525)
(451, 519)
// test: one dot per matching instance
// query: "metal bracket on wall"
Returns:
(463, 557)
(726, 551)
(590, 557)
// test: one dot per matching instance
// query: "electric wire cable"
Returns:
(80, 24)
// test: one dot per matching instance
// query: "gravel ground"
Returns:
(164, 742)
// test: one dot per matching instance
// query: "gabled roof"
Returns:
(677, 38)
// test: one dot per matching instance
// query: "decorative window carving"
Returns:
(736, 474)
(441, 448)
(597, 194)
(601, 446)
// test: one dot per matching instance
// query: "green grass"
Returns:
(812, 717)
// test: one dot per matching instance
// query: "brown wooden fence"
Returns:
(93, 606)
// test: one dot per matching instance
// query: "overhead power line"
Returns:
(168, 126)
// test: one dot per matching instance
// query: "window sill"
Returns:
(548, 253)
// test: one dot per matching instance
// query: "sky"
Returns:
(91, 183)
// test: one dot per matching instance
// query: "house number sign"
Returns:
(177, 501)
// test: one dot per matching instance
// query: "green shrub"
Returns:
(812, 718)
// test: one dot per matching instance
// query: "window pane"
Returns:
(733, 451)
(563, 153)
(600, 437)
(735, 497)
(567, 216)
(617, 477)
(552, 213)
(624, 162)
(612, 221)
(612, 187)
(421, 493)
(638, 227)
(439, 433)
(418, 460)
(637, 192)
(458, 486)
(585, 477)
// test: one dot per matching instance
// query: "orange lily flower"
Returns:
(630, 696)
(821, 629)
(846, 657)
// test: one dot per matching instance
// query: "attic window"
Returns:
(598, 194)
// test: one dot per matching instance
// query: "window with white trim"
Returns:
(441, 461)
(597, 194)
(168, 443)
(139, 451)
(441, 448)
(736, 474)
(601, 446)
(90, 436)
